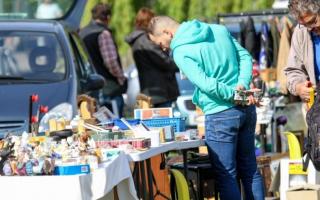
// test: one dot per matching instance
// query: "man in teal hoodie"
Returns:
(217, 65)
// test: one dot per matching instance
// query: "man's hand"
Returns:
(303, 90)
(251, 99)
(121, 80)
(240, 87)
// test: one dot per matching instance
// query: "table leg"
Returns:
(263, 137)
(150, 183)
(185, 163)
(199, 184)
(185, 171)
(136, 176)
(143, 180)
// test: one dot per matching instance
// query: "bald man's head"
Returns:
(159, 23)
(161, 30)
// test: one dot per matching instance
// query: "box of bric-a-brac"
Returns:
(306, 192)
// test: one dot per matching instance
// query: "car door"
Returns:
(83, 67)
(74, 14)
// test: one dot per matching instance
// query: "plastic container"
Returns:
(71, 169)
(178, 123)
(122, 126)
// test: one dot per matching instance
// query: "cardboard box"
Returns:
(291, 175)
(166, 134)
(307, 192)
(138, 143)
(152, 113)
(71, 169)
(268, 75)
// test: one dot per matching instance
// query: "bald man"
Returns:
(217, 65)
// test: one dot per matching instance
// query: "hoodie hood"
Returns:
(131, 38)
(191, 32)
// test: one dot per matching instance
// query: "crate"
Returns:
(122, 126)
(178, 123)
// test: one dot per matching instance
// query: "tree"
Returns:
(197, 9)
(122, 22)
(237, 5)
(262, 4)
(177, 9)
(248, 5)
(87, 12)
(141, 3)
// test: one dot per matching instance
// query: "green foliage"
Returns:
(197, 9)
(261, 4)
(86, 17)
(122, 22)
(177, 9)
(64, 5)
(141, 3)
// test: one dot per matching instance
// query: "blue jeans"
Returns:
(230, 142)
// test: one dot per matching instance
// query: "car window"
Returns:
(83, 66)
(31, 56)
(81, 56)
(34, 9)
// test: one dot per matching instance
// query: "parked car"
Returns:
(184, 106)
(44, 57)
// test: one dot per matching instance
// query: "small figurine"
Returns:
(7, 171)
(5, 152)
(48, 166)
(21, 169)
(29, 167)
(14, 168)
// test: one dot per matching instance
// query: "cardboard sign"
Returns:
(152, 113)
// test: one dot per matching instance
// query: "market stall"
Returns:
(88, 157)
(96, 185)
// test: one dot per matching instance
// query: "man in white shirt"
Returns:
(48, 10)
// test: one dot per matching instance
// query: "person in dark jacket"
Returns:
(249, 37)
(103, 51)
(156, 69)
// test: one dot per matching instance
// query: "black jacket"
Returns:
(156, 69)
(90, 35)
(249, 39)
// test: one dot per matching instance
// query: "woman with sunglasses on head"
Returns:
(303, 67)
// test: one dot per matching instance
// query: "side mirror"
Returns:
(94, 82)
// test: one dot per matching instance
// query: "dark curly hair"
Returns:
(101, 11)
(298, 7)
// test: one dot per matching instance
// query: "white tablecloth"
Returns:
(98, 184)
(165, 147)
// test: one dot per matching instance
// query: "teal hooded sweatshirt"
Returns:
(213, 61)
